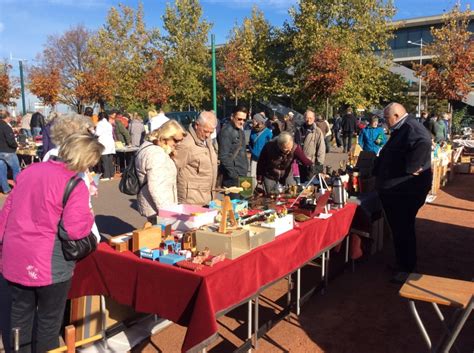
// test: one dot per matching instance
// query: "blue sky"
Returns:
(25, 24)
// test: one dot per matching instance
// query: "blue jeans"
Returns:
(26, 132)
(36, 131)
(8, 160)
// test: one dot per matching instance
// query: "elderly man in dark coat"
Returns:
(404, 176)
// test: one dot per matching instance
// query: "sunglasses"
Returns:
(241, 119)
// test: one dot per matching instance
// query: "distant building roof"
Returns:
(423, 21)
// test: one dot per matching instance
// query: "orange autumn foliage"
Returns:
(153, 89)
(325, 76)
(45, 83)
(95, 85)
(8, 91)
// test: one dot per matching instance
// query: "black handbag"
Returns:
(74, 249)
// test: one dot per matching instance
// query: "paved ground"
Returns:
(361, 311)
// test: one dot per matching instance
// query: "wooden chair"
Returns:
(440, 291)
(70, 339)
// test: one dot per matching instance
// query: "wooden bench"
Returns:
(440, 291)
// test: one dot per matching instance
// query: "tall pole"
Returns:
(419, 79)
(22, 85)
(214, 85)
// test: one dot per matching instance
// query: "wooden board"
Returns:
(439, 290)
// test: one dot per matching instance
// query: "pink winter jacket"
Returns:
(32, 254)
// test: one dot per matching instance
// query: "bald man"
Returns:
(196, 161)
(404, 176)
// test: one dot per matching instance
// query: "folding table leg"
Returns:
(347, 249)
(457, 327)
(249, 322)
(16, 339)
(103, 321)
(290, 287)
(255, 327)
(326, 277)
(298, 291)
(447, 325)
(323, 265)
(413, 310)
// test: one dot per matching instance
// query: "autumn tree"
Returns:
(153, 89)
(95, 85)
(187, 57)
(235, 74)
(8, 87)
(451, 71)
(67, 53)
(45, 83)
(325, 76)
(359, 27)
(125, 47)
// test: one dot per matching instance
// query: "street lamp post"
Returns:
(420, 44)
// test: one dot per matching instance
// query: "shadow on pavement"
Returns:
(113, 225)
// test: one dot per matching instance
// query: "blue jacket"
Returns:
(369, 135)
(257, 141)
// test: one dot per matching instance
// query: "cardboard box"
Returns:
(259, 235)
(188, 216)
(85, 315)
(233, 245)
(122, 242)
(281, 225)
(146, 238)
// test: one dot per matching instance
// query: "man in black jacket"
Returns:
(404, 176)
(232, 150)
(8, 157)
(348, 127)
(37, 124)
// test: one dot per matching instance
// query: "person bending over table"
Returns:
(38, 275)
(274, 163)
(156, 170)
(403, 172)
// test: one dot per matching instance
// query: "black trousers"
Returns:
(401, 209)
(45, 305)
(5, 305)
(347, 141)
(108, 168)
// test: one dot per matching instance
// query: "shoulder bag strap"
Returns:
(135, 166)
(72, 183)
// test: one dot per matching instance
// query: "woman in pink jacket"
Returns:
(33, 263)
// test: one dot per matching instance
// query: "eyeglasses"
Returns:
(241, 119)
(177, 140)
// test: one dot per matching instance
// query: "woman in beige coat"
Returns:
(156, 170)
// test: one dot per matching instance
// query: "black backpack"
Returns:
(129, 182)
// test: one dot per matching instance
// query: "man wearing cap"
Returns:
(259, 136)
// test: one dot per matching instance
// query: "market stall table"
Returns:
(123, 156)
(194, 299)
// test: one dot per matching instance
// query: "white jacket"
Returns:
(104, 131)
(158, 170)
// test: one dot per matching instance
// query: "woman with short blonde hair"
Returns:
(33, 262)
(156, 170)
(67, 124)
(80, 152)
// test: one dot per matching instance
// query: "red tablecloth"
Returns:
(192, 299)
